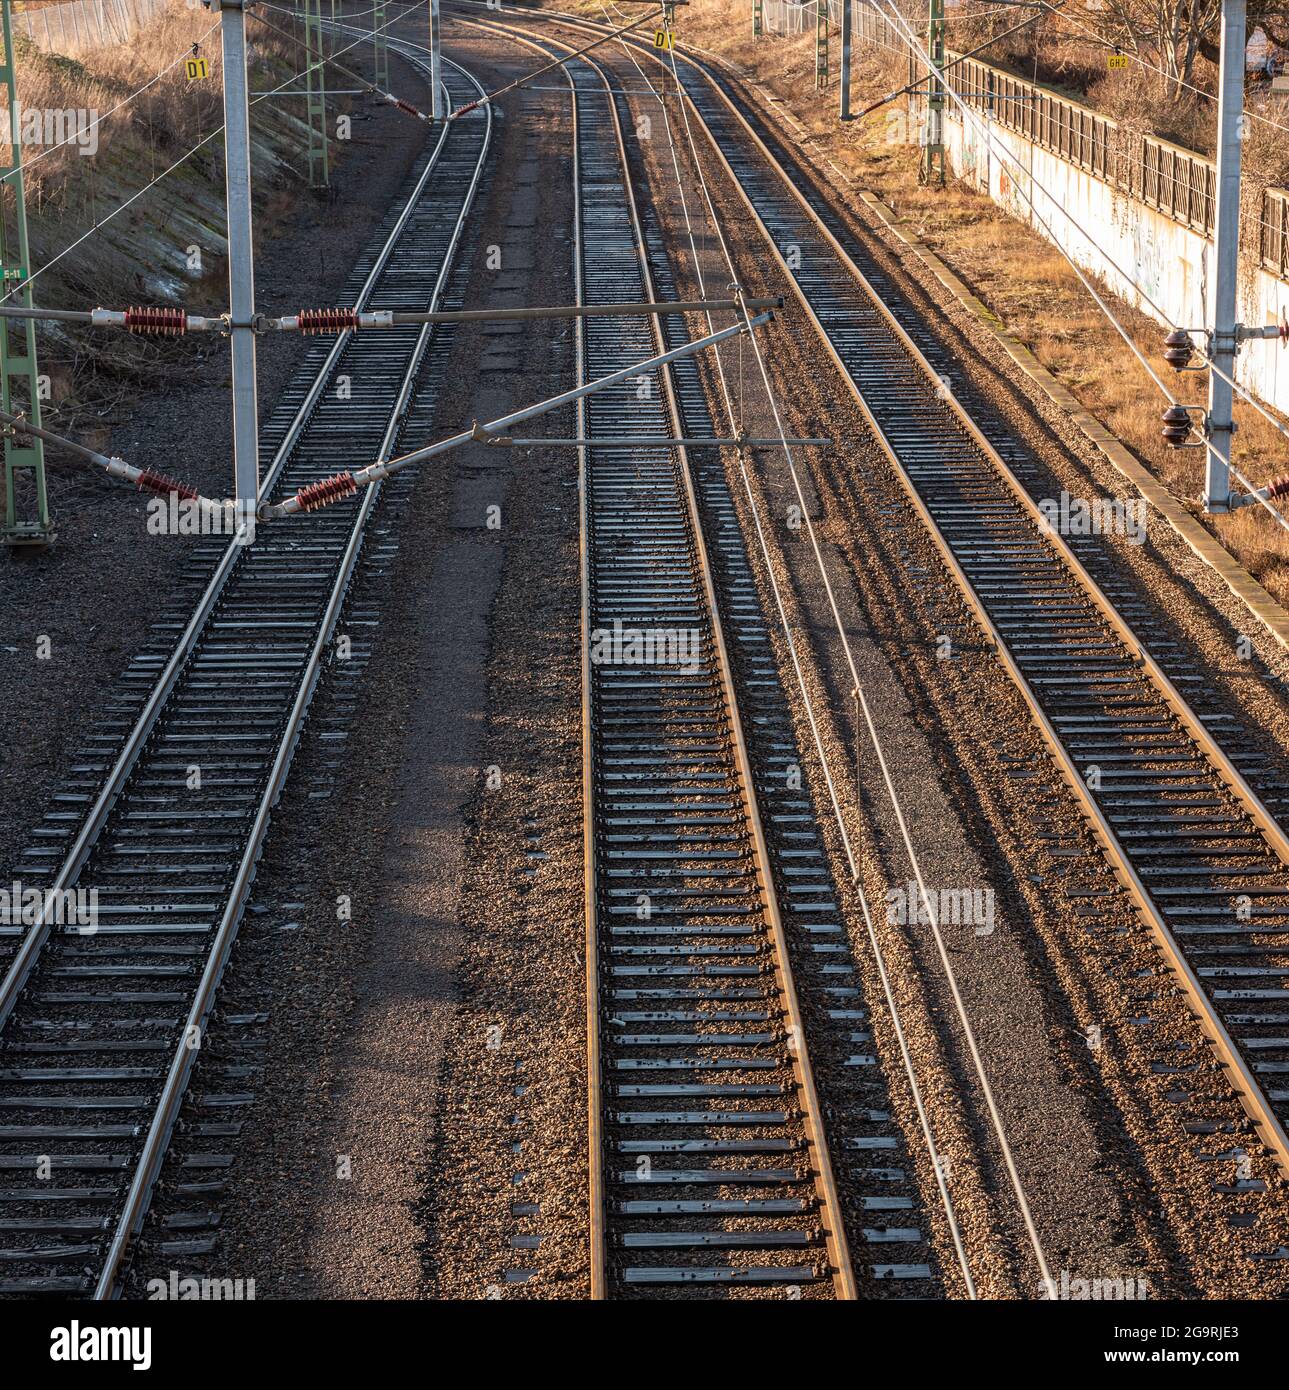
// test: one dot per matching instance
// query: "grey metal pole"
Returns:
(845, 59)
(241, 269)
(1226, 255)
(436, 101)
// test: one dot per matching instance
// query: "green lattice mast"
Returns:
(380, 46)
(19, 375)
(933, 152)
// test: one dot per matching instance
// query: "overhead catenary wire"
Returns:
(645, 18)
(1061, 13)
(166, 321)
(1152, 67)
(643, 253)
(351, 73)
(183, 159)
(79, 134)
(954, 61)
(341, 485)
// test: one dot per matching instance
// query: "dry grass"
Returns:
(128, 250)
(1012, 269)
(168, 118)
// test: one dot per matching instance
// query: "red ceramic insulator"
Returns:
(406, 106)
(328, 490)
(159, 483)
(1277, 487)
(327, 320)
(167, 323)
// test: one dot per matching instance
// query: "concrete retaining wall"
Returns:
(1170, 262)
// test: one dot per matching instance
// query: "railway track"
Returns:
(712, 1171)
(708, 894)
(165, 813)
(1184, 817)
(710, 1166)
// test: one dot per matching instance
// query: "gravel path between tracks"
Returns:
(95, 593)
(419, 1130)
(1117, 1188)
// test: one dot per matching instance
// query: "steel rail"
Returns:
(559, 63)
(808, 702)
(596, 1202)
(1262, 1115)
(828, 1200)
(830, 1207)
(172, 1094)
(759, 530)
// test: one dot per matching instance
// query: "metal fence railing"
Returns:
(1275, 231)
(82, 25)
(788, 17)
(1155, 172)
(1175, 181)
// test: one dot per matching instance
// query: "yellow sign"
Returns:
(664, 38)
(1117, 60)
(196, 69)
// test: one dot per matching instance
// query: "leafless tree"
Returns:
(1170, 33)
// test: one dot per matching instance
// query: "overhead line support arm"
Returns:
(345, 484)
